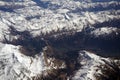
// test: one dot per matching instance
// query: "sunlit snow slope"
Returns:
(57, 39)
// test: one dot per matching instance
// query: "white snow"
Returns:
(104, 31)
(13, 63)
(60, 14)
(46, 20)
(17, 62)
(89, 62)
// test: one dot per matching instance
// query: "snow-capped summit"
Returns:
(58, 39)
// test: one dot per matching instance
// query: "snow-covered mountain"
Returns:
(58, 39)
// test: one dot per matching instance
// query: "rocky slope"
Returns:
(58, 39)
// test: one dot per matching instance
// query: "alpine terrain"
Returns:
(59, 39)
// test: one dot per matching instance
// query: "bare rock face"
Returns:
(59, 39)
